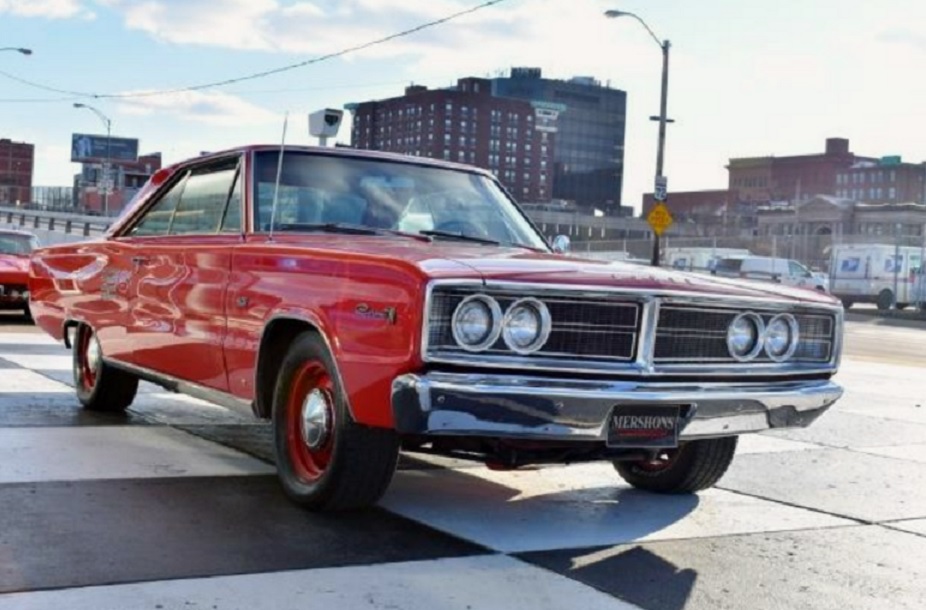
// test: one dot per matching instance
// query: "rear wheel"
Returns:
(694, 466)
(885, 299)
(100, 387)
(325, 461)
(848, 303)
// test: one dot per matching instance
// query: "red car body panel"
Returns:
(196, 307)
(14, 271)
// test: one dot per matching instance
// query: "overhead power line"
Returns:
(256, 75)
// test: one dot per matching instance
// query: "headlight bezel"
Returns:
(544, 321)
(757, 348)
(793, 337)
(494, 330)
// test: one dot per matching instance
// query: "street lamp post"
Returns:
(17, 49)
(105, 173)
(664, 45)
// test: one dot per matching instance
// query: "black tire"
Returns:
(27, 313)
(902, 306)
(847, 303)
(885, 299)
(100, 387)
(694, 466)
(350, 465)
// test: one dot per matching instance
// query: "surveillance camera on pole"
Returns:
(324, 124)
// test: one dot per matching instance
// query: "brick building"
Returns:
(887, 181)
(762, 180)
(513, 138)
(17, 162)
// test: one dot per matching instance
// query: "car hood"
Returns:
(518, 266)
(9, 263)
(443, 260)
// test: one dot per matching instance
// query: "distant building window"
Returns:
(447, 153)
(893, 176)
(892, 193)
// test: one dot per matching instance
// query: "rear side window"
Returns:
(850, 265)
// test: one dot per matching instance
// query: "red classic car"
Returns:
(15, 248)
(368, 303)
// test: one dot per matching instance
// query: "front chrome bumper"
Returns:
(536, 408)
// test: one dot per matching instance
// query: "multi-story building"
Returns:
(17, 161)
(513, 138)
(761, 180)
(888, 180)
(589, 157)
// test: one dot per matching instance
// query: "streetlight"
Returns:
(660, 151)
(106, 163)
(18, 50)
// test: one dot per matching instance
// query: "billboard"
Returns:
(86, 148)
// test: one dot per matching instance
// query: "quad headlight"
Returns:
(526, 326)
(745, 336)
(781, 337)
(476, 322)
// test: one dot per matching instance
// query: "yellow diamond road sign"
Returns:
(659, 218)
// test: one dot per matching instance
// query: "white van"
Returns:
(875, 273)
(919, 288)
(698, 258)
(765, 268)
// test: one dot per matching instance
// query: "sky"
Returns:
(747, 77)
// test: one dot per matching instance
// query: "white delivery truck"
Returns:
(919, 288)
(699, 258)
(768, 269)
(875, 273)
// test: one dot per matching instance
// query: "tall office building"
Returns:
(589, 157)
(514, 139)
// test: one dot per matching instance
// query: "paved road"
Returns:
(175, 505)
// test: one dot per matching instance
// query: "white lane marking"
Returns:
(21, 381)
(115, 452)
(579, 506)
(471, 583)
(41, 363)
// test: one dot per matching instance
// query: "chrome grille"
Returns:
(584, 329)
(687, 335)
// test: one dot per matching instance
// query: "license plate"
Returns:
(640, 426)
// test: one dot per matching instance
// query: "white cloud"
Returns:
(207, 107)
(50, 9)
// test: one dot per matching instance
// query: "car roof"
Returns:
(16, 232)
(340, 151)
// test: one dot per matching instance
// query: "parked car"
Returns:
(770, 269)
(883, 274)
(367, 303)
(15, 248)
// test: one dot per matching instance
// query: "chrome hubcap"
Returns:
(94, 353)
(316, 419)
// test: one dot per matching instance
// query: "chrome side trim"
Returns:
(180, 386)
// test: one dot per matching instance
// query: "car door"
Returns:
(181, 269)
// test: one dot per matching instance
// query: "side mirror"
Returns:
(561, 244)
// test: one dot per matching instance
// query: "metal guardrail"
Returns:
(62, 222)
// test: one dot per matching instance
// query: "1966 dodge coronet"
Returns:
(368, 303)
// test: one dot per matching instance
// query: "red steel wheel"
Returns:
(325, 460)
(99, 385)
(310, 421)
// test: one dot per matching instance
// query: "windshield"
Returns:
(317, 189)
(17, 245)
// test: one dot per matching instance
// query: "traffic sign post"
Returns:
(659, 217)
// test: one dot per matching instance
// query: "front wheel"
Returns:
(100, 387)
(325, 460)
(693, 466)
